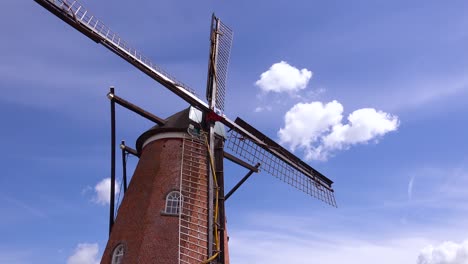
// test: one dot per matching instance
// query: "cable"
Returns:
(119, 202)
(214, 256)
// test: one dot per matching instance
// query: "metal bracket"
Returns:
(240, 182)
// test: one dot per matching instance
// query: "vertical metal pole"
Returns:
(124, 167)
(211, 195)
(221, 221)
(112, 187)
(212, 143)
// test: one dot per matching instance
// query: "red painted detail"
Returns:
(211, 116)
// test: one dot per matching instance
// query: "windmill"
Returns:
(173, 210)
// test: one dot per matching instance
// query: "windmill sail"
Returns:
(244, 140)
(279, 162)
(220, 50)
(76, 15)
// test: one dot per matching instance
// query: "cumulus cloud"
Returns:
(445, 253)
(282, 77)
(363, 125)
(84, 254)
(318, 128)
(306, 122)
(102, 191)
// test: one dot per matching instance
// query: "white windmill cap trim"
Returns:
(164, 136)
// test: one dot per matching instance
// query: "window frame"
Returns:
(173, 203)
(118, 254)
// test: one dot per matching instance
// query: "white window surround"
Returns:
(173, 203)
(118, 254)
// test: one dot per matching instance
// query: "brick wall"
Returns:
(149, 236)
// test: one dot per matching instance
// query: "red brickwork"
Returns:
(149, 236)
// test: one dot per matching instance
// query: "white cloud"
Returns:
(363, 125)
(282, 77)
(279, 247)
(330, 237)
(84, 254)
(445, 253)
(410, 188)
(306, 122)
(421, 91)
(259, 109)
(317, 128)
(102, 191)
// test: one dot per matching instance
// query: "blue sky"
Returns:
(401, 190)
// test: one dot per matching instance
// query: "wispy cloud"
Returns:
(288, 239)
(316, 239)
(416, 92)
(443, 188)
(259, 109)
(446, 253)
(410, 188)
(34, 211)
(434, 214)
(84, 254)
(269, 248)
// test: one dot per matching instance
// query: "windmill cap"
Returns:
(178, 122)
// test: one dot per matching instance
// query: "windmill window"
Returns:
(118, 254)
(173, 201)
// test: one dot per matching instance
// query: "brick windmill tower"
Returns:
(173, 209)
(164, 214)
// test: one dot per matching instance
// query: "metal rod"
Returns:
(240, 162)
(221, 221)
(84, 14)
(136, 109)
(78, 10)
(129, 150)
(210, 193)
(212, 102)
(124, 167)
(240, 182)
(113, 143)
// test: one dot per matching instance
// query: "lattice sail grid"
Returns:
(224, 44)
(193, 219)
(89, 23)
(253, 153)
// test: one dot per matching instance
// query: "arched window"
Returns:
(173, 202)
(118, 254)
